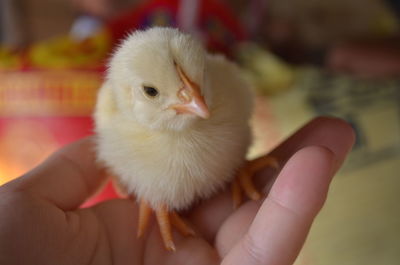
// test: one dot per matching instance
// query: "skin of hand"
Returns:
(42, 223)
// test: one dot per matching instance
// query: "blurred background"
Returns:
(304, 58)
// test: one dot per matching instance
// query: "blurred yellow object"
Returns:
(267, 72)
(65, 52)
(9, 59)
(385, 24)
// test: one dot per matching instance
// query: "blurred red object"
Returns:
(40, 111)
(217, 25)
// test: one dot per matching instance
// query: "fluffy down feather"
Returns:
(156, 153)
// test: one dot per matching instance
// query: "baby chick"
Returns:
(173, 125)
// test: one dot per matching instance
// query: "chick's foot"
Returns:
(244, 181)
(165, 219)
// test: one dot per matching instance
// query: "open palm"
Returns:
(42, 223)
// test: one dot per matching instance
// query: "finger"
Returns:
(67, 178)
(192, 250)
(119, 219)
(282, 223)
(332, 133)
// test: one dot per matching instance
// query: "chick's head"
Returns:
(158, 76)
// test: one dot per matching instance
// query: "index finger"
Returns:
(67, 178)
(331, 133)
(281, 225)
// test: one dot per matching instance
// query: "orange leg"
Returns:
(144, 217)
(244, 178)
(166, 219)
(246, 182)
(165, 227)
(181, 225)
(236, 193)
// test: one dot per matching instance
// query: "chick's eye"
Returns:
(150, 91)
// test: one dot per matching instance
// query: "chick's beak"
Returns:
(191, 98)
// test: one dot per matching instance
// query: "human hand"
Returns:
(42, 224)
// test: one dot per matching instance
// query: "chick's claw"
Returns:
(165, 227)
(144, 217)
(236, 193)
(244, 180)
(166, 220)
(181, 225)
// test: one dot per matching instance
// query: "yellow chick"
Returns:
(172, 124)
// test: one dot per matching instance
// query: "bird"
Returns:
(172, 126)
